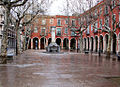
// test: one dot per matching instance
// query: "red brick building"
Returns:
(93, 40)
(41, 36)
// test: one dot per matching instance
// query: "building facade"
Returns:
(105, 15)
(94, 39)
(41, 36)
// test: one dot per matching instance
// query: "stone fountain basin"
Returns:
(53, 47)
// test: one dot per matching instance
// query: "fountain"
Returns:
(53, 47)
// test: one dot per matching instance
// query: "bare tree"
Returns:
(8, 5)
(24, 15)
(84, 18)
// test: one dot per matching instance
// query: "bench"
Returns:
(86, 52)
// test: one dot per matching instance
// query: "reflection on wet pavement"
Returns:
(38, 69)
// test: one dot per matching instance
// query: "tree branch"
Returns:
(20, 4)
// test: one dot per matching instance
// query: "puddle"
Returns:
(21, 65)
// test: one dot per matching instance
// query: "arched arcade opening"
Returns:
(66, 44)
(101, 43)
(58, 41)
(114, 43)
(35, 43)
(96, 44)
(42, 43)
(73, 44)
(92, 44)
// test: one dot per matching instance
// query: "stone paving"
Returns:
(34, 68)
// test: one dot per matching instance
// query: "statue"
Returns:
(53, 47)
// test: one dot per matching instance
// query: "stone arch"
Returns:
(88, 43)
(29, 44)
(66, 43)
(42, 42)
(92, 44)
(114, 43)
(73, 43)
(101, 43)
(35, 43)
(58, 41)
(96, 43)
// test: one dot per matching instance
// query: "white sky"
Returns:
(57, 7)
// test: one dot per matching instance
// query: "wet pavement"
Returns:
(34, 68)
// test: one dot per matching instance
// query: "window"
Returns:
(43, 22)
(78, 20)
(100, 10)
(35, 30)
(106, 10)
(91, 27)
(66, 30)
(73, 22)
(100, 23)
(113, 3)
(107, 21)
(59, 22)
(88, 30)
(114, 17)
(58, 31)
(51, 21)
(95, 12)
(96, 25)
(66, 21)
(72, 33)
(43, 31)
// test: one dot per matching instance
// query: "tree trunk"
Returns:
(4, 45)
(18, 42)
(109, 46)
(28, 42)
(24, 44)
(81, 44)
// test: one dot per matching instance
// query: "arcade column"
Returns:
(39, 44)
(31, 43)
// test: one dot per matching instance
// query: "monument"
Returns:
(53, 47)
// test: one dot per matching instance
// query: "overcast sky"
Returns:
(58, 6)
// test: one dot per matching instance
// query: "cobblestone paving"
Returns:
(34, 68)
